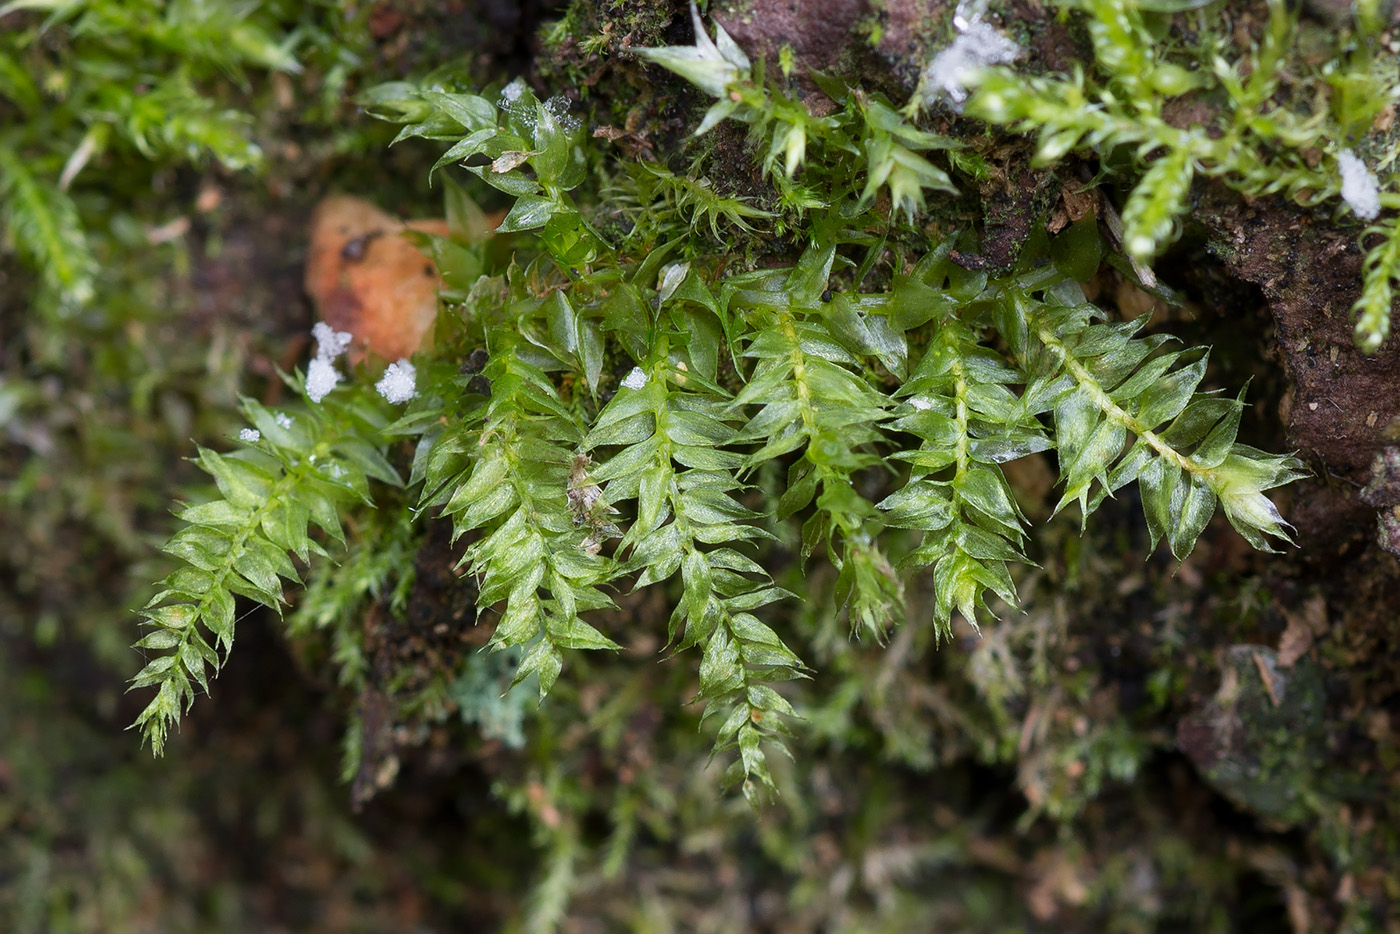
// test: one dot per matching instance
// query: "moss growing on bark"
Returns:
(1034, 774)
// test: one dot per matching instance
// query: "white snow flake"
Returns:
(397, 383)
(330, 343)
(283, 420)
(1360, 187)
(251, 435)
(321, 378)
(977, 46)
(636, 379)
(321, 375)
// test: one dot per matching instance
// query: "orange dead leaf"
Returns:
(366, 278)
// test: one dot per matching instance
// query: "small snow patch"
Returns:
(977, 46)
(557, 107)
(515, 102)
(321, 375)
(920, 403)
(636, 379)
(397, 384)
(251, 435)
(283, 420)
(1360, 187)
(330, 343)
(321, 378)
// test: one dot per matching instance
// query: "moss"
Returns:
(1261, 738)
(1026, 777)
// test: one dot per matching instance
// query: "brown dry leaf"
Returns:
(1133, 302)
(1294, 643)
(1055, 883)
(365, 277)
(1302, 629)
(1267, 677)
(1080, 202)
(1074, 205)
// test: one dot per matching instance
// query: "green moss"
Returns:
(821, 376)
(1265, 120)
(1024, 777)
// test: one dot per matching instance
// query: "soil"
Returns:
(819, 32)
(1310, 274)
